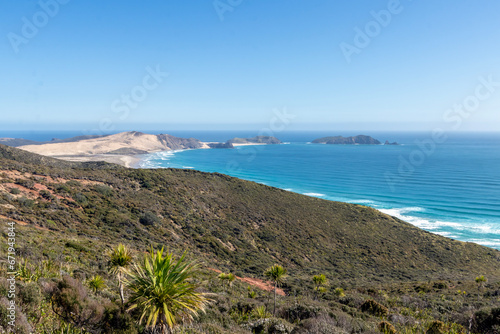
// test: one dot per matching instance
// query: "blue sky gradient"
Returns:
(77, 69)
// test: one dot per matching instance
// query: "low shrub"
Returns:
(14, 191)
(46, 194)
(436, 327)
(72, 302)
(270, 326)
(320, 325)
(299, 312)
(487, 321)
(149, 218)
(74, 245)
(104, 190)
(386, 328)
(26, 203)
(374, 308)
(21, 324)
(27, 183)
(339, 292)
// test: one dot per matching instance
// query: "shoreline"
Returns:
(129, 160)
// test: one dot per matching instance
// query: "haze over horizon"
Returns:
(370, 65)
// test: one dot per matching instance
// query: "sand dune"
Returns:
(118, 148)
(133, 142)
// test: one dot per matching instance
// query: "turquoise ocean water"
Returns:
(451, 188)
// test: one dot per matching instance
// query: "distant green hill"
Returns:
(11, 154)
(16, 142)
(255, 140)
(230, 223)
(339, 140)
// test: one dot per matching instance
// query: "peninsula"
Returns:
(123, 148)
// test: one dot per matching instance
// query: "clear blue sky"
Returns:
(263, 55)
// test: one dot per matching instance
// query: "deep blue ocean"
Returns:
(449, 187)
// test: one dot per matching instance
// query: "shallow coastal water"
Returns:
(450, 188)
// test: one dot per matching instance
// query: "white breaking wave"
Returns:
(450, 224)
(158, 159)
(485, 229)
(486, 242)
(460, 230)
(436, 227)
(361, 201)
(425, 224)
(315, 194)
(446, 234)
(399, 213)
(167, 155)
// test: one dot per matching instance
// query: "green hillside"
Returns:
(209, 212)
(77, 212)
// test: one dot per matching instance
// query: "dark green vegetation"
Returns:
(15, 142)
(74, 213)
(339, 140)
(255, 140)
(220, 145)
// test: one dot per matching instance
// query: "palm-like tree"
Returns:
(226, 279)
(120, 260)
(480, 280)
(230, 279)
(260, 312)
(96, 283)
(222, 277)
(162, 290)
(319, 281)
(277, 275)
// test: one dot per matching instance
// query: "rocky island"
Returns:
(339, 140)
(254, 140)
(220, 145)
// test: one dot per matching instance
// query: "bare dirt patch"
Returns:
(258, 283)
